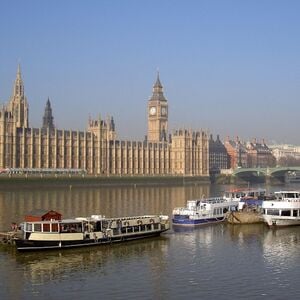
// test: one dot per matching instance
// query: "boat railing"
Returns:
(135, 217)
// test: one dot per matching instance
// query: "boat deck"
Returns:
(8, 237)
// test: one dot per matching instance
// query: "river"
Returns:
(218, 261)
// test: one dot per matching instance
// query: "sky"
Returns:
(229, 67)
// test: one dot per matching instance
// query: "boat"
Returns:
(292, 177)
(246, 197)
(245, 217)
(283, 209)
(203, 211)
(96, 230)
(249, 206)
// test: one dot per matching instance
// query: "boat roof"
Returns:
(286, 192)
(64, 221)
(245, 190)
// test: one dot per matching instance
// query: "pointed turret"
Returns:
(48, 118)
(18, 86)
(18, 105)
(157, 94)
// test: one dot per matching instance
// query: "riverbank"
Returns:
(23, 181)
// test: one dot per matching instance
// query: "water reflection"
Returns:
(111, 202)
(282, 247)
(218, 261)
(79, 265)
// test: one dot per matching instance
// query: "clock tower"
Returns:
(157, 114)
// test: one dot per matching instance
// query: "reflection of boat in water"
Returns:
(203, 211)
(92, 231)
(283, 210)
(44, 266)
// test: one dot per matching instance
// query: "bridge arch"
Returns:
(267, 172)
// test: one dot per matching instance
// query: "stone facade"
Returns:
(97, 149)
(260, 155)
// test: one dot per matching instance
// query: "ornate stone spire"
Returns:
(48, 118)
(18, 90)
(158, 94)
(18, 105)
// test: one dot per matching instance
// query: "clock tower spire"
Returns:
(157, 114)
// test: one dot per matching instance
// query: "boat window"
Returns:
(273, 212)
(98, 226)
(46, 227)
(286, 213)
(295, 213)
(28, 227)
(55, 227)
(290, 195)
(70, 227)
(38, 227)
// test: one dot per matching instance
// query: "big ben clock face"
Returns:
(163, 111)
(152, 111)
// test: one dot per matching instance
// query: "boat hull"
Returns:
(36, 245)
(196, 222)
(244, 217)
(275, 221)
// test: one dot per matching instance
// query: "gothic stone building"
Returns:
(97, 149)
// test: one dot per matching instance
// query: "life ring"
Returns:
(151, 221)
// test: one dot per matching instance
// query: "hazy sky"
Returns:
(232, 67)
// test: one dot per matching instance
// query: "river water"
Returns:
(218, 261)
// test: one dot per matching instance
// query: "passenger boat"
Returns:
(91, 231)
(246, 197)
(203, 211)
(283, 210)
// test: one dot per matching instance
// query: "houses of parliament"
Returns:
(97, 150)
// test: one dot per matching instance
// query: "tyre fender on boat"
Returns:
(95, 237)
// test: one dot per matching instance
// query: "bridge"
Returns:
(264, 172)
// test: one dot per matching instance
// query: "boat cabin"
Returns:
(286, 204)
(42, 215)
(239, 194)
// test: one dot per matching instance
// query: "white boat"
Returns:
(92, 231)
(283, 210)
(246, 197)
(203, 211)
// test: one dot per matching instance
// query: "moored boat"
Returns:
(246, 197)
(245, 217)
(91, 231)
(203, 211)
(283, 210)
(249, 205)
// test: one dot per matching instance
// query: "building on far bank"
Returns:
(237, 153)
(285, 150)
(218, 156)
(249, 155)
(97, 150)
(259, 155)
